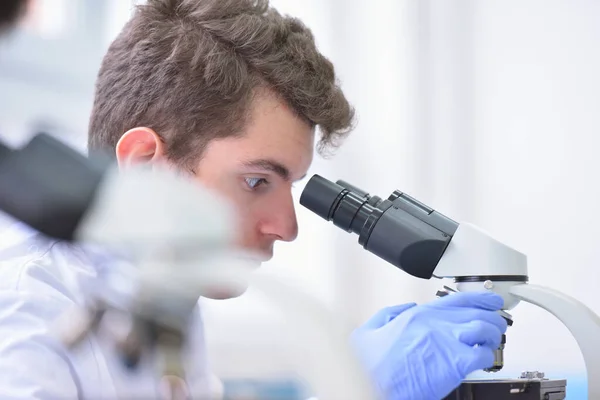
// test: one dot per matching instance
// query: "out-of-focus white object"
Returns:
(180, 239)
(181, 253)
(50, 19)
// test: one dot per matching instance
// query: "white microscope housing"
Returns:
(426, 244)
(479, 262)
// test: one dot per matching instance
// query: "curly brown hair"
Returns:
(189, 70)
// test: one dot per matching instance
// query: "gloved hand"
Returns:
(418, 352)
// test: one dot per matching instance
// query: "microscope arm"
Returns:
(582, 322)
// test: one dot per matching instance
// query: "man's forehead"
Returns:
(287, 154)
(276, 141)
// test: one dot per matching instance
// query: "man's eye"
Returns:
(253, 183)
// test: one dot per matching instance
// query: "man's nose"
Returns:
(281, 219)
(290, 228)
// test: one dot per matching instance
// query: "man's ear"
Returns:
(139, 146)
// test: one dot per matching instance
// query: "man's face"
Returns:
(257, 170)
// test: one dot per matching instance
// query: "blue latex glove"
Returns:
(415, 352)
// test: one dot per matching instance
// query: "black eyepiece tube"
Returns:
(400, 229)
(320, 196)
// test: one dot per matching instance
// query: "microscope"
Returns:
(426, 244)
(187, 249)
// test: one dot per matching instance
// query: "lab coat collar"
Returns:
(14, 235)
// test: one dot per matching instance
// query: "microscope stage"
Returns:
(510, 389)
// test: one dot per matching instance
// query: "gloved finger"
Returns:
(477, 358)
(478, 333)
(464, 315)
(484, 300)
(385, 315)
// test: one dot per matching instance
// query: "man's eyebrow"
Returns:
(270, 165)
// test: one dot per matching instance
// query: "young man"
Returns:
(233, 95)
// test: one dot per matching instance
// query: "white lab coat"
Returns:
(40, 280)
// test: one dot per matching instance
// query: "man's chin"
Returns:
(236, 288)
(224, 293)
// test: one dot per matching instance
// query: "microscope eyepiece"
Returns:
(320, 196)
(399, 229)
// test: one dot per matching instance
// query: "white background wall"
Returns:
(486, 110)
(537, 97)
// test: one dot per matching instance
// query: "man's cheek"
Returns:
(245, 237)
(246, 222)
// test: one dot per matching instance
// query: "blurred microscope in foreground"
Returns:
(186, 251)
(424, 243)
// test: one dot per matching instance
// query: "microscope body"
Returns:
(476, 261)
(160, 223)
(180, 241)
(479, 262)
(426, 244)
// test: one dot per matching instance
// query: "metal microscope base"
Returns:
(510, 389)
